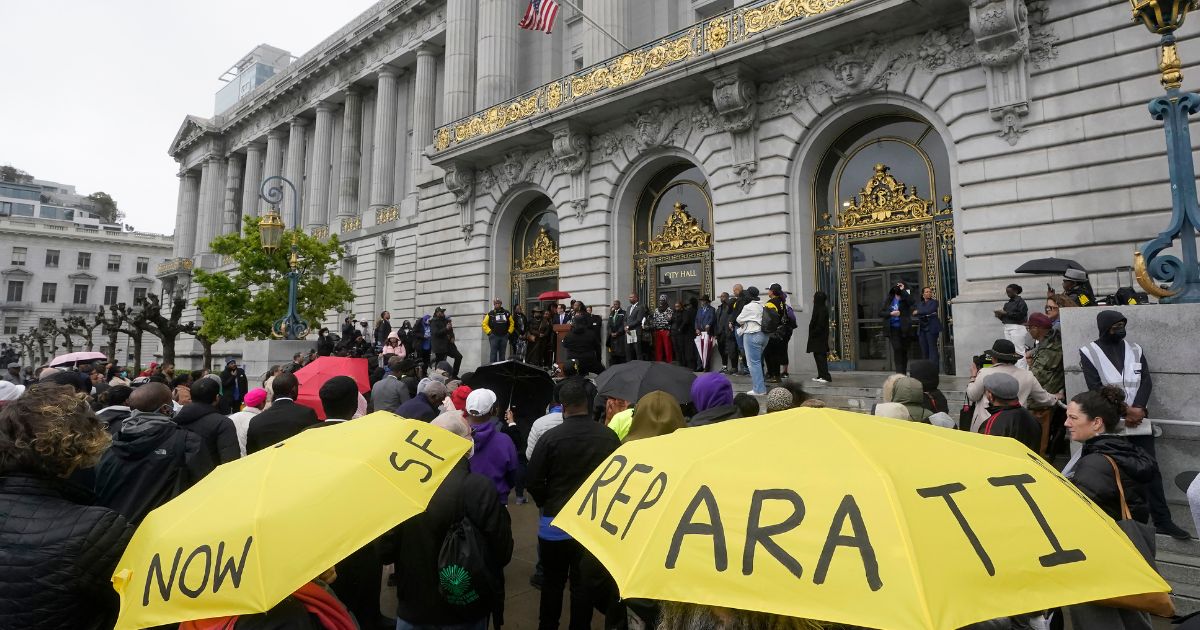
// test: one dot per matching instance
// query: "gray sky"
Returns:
(94, 91)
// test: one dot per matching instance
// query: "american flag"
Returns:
(539, 16)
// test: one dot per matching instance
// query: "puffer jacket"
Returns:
(1093, 475)
(57, 555)
(217, 430)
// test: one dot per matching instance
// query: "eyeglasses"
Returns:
(1050, 309)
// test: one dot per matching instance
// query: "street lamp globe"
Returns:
(1161, 16)
(270, 231)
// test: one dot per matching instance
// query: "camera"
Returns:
(982, 360)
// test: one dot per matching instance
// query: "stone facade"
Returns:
(420, 147)
(112, 266)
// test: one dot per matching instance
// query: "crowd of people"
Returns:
(86, 453)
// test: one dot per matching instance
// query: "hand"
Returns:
(974, 370)
(895, 313)
(998, 313)
(914, 312)
(1134, 416)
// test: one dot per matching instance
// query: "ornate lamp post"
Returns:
(270, 232)
(1162, 17)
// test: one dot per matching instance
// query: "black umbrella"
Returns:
(1050, 266)
(630, 381)
(522, 386)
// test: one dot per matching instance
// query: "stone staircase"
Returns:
(1179, 564)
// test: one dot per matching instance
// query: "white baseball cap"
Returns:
(480, 402)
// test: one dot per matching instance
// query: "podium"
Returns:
(560, 355)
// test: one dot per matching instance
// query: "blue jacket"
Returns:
(927, 317)
(706, 316)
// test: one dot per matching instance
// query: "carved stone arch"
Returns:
(635, 174)
(505, 212)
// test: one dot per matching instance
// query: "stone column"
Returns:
(383, 163)
(212, 184)
(351, 153)
(497, 52)
(613, 15)
(186, 215)
(233, 182)
(253, 179)
(462, 23)
(273, 166)
(318, 205)
(295, 173)
(425, 90)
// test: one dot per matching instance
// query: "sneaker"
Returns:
(1173, 530)
(819, 380)
(754, 393)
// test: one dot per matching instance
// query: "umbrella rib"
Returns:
(920, 591)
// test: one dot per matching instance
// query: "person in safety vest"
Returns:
(1111, 360)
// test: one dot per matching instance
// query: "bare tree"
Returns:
(132, 323)
(165, 326)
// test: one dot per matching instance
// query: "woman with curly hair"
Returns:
(57, 549)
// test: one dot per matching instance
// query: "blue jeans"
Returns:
(482, 624)
(755, 344)
(499, 344)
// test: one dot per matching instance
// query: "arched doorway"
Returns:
(878, 221)
(672, 230)
(534, 250)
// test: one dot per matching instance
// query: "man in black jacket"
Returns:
(562, 460)
(498, 326)
(441, 336)
(634, 324)
(1006, 416)
(283, 419)
(201, 417)
(417, 542)
(152, 460)
(1013, 315)
(233, 388)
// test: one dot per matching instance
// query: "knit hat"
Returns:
(256, 397)
(458, 397)
(1002, 386)
(10, 392)
(711, 389)
(1040, 320)
(779, 399)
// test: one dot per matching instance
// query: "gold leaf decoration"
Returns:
(884, 199)
(681, 232)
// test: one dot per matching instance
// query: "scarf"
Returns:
(318, 601)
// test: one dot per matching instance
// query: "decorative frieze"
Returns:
(571, 149)
(460, 180)
(735, 100)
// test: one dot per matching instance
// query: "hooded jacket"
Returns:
(495, 457)
(58, 552)
(657, 413)
(926, 372)
(217, 431)
(909, 392)
(712, 394)
(151, 461)
(1094, 477)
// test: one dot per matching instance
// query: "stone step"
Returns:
(1178, 547)
(1178, 569)
(1187, 598)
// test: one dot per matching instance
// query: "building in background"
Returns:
(835, 145)
(249, 72)
(58, 260)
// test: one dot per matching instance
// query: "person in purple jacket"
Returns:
(495, 454)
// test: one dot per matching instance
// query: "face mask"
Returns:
(1117, 335)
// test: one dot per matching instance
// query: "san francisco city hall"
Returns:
(836, 145)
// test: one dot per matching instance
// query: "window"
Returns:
(11, 208)
(18, 256)
(51, 257)
(81, 294)
(11, 324)
(110, 296)
(143, 265)
(114, 262)
(16, 290)
(578, 64)
(85, 260)
(139, 295)
(49, 292)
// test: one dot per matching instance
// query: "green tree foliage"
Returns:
(247, 300)
(14, 175)
(106, 207)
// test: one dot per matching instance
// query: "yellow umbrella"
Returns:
(255, 530)
(841, 517)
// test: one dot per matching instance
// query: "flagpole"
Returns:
(595, 25)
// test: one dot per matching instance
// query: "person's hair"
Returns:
(1016, 288)
(64, 377)
(157, 377)
(1062, 301)
(680, 616)
(182, 379)
(747, 405)
(573, 393)
(1107, 403)
(115, 395)
(285, 385)
(206, 391)
(50, 430)
(339, 397)
(751, 291)
(797, 390)
(150, 397)
(393, 364)
(436, 389)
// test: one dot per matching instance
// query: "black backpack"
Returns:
(464, 577)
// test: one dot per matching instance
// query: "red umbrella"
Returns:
(554, 295)
(314, 375)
